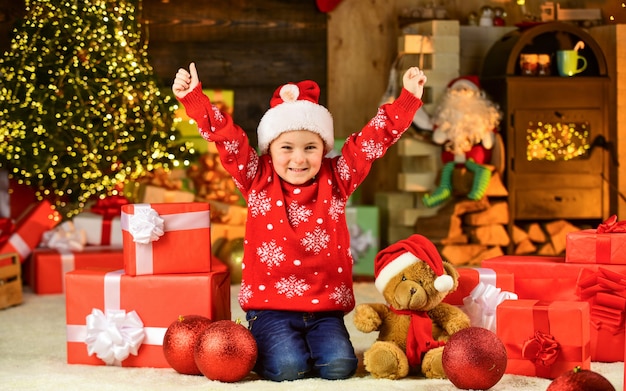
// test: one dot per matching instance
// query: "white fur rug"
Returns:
(32, 357)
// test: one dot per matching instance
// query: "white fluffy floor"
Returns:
(32, 357)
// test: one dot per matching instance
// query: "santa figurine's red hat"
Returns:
(398, 256)
(470, 82)
(295, 106)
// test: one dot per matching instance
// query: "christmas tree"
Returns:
(81, 111)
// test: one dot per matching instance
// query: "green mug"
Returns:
(567, 62)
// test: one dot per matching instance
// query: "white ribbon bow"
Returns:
(114, 336)
(145, 225)
(481, 305)
(65, 237)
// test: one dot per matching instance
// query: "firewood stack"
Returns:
(466, 231)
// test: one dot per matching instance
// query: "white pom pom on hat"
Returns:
(295, 106)
(416, 248)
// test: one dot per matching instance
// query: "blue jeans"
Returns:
(295, 345)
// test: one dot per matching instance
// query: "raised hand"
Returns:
(413, 81)
(185, 81)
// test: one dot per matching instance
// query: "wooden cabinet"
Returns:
(555, 128)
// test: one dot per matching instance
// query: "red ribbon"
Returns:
(611, 225)
(542, 349)
(109, 208)
(605, 290)
(419, 339)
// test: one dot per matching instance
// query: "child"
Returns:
(297, 268)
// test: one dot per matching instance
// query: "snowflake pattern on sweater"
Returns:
(297, 245)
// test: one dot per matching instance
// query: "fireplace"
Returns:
(555, 129)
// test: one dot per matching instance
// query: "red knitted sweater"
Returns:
(297, 245)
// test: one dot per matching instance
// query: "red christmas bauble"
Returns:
(474, 358)
(226, 351)
(180, 340)
(580, 380)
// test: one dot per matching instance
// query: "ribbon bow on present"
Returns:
(611, 225)
(605, 290)
(481, 305)
(65, 237)
(542, 349)
(114, 336)
(145, 225)
(110, 206)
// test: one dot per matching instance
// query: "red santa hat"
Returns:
(416, 248)
(327, 5)
(295, 106)
(470, 82)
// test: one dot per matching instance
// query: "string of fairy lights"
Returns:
(81, 110)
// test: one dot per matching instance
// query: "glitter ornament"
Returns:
(226, 351)
(180, 340)
(232, 255)
(474, 358)
(580, 380)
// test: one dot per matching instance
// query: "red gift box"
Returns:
(470, 277)
(144, 306)
(544, 339)
(544, 278)
(553, 279)
(589, 246)
(99, 229)
(184, 244)
(29, 229)
(49, 266)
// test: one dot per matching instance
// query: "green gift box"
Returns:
(364, 237)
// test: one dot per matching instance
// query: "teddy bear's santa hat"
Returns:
(398, 256)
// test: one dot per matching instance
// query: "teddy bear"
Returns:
(414, 323)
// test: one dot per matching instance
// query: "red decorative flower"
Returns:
(611, 225)
(542, 349)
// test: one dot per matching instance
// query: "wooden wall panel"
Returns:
(248, 46)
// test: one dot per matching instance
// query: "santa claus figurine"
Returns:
(464, 122)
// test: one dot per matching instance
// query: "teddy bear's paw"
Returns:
(457, 325)
(366, 319)
(385, 360)
(432, 364)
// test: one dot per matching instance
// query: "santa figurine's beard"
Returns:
(463, 119)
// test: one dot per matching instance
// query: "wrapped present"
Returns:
(166, 238)
(101, 222)
(553, 279)
(10, 280)
(6, 228)
(101, 302)
(21, 198)
(29, 229)
(544, 278)
(49, 266)
(605, 291)
(211, 181)
(544, 339)
(604, 245)
(364, 237)
(153, 195)
(100, 229)
(470, 277)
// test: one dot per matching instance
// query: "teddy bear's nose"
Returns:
(413, 291)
